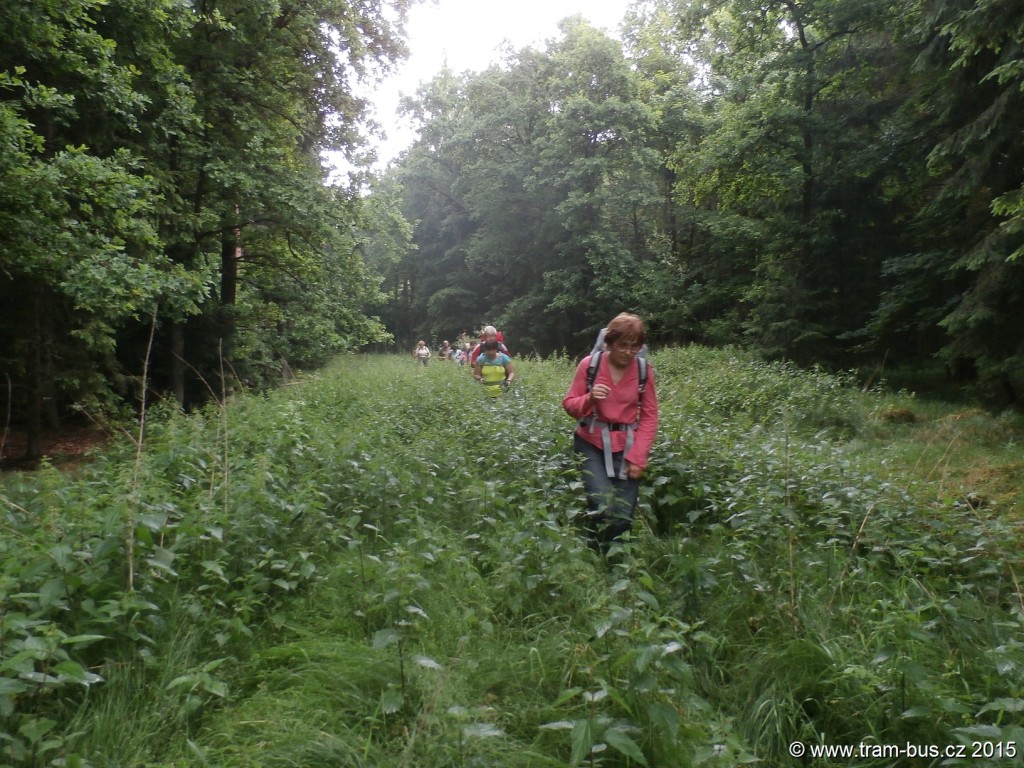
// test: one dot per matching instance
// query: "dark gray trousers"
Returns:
(611, 502)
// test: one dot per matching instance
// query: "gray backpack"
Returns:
(599, 345)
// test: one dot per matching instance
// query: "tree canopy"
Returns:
(162, 171)
(833, 182)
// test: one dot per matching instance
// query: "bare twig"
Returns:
(137, 469)
(224, 421)
(198, 376)
(853, 553)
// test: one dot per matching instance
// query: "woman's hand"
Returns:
(633, 472)
(599, 392)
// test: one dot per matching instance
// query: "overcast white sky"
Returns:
(467, 34)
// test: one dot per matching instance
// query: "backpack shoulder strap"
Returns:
(595, 362)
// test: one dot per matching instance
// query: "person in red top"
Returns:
(489, 333)
(617, 425)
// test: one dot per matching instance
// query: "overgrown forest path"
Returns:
(378, 566)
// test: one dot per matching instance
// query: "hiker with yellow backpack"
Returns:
(493, 367)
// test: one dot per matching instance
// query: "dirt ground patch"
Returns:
(64, 447)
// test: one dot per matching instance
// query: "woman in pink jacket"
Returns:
(615, 403)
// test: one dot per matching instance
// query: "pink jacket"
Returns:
(618, 408)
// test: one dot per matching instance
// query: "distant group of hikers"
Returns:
(614, 401)
(489, 360)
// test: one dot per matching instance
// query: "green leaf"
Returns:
(154, 522)
(72, 670)
(390, 701)
(11, 686)
(567, 695)
(664, 717)
(1003, 705)
(482, 731)
(40, 677)
(915, 712)
(217, 687)
(36, 727)
(82, 639)
(385, 638)
(621, 742)
(646, 597)
(558, 725)
(182, 680)
(584, 737)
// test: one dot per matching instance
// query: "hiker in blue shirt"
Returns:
(493, 368)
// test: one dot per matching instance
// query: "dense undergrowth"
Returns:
(378, 567)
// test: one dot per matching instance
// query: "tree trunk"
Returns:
(672, 222)
(178, 362)
(230, 256)
(36, 385)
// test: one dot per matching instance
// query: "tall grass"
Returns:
(379, 566)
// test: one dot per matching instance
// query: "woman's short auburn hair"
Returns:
(624, 326)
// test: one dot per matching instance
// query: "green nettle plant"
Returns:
(380, 566)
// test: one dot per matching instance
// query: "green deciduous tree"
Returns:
(529, 181)
(78, 243)
(162, 161)
(273, 86)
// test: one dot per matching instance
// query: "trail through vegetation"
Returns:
(378, 566)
